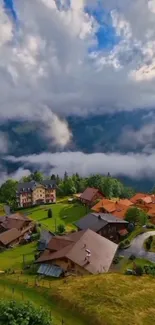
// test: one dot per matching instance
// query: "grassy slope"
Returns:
(72, 212)
(40, 297)
(13, 258)
(110, 299)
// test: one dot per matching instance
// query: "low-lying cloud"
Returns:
(132, 165)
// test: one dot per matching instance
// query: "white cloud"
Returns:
(133, 165)
(17, 175)
(47, 71)
(46, 62)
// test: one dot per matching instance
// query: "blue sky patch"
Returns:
(10, 8)
(106, 34)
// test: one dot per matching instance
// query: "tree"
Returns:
(8, 192)
(61, 229)
(53, 177)
(37, 176)
(12, 313)
(136, 215)
(50, 213)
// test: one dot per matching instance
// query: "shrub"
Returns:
(132, 257)
(138, 270)
(121, 245)
(127, 242)
(49, 213)
(116, 260)
(12, 313)
(150, 226)
(61, 229)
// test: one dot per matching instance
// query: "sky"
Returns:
(61, 58)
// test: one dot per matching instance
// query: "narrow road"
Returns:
(136, 248)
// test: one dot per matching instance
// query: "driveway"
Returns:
(136, 247)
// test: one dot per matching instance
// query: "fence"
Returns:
(16, 294)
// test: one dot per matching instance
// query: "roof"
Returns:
(123, 232)
(9, 236)
(120, 214)
(89, 194)
(46, 236)
(111, 206)
(50, 270)
(12, 223)
(137, 197)
(96, 221)
(125, 202)
(98, 206)
(58, 242)
(49, 183)
(102, 252)
(147, 199)
(30, 186)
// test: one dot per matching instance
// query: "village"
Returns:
(98, 236)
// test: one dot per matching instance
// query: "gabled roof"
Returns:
(89, 194)
(125, 202)
(102, 252)
(137, 197)
(9, 236)
(49, 183)
(59, 242)
(96, 221)
(30, 186)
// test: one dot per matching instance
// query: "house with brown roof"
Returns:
(105, 224)
(83, 252)
(90, 195)
(17, 221)
(9, 238)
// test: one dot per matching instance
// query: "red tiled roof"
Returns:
(98, 206)
(125, 202)
(123, 232)
(89, 194)
(137, 197)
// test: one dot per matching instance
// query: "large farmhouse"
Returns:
(33, 193)
(83, 252)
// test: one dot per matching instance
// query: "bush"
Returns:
(12, 313)
(49, 213)
(121, 245)
(138, 270)
(127, 242)
(132, 257)
(61, 229)
(150, 226)
(116, 260)
(148, 245)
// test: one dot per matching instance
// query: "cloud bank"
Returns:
(132, 165)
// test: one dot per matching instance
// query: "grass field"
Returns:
(63, 213)
(110, 299)
(13, 258)
(40, 297)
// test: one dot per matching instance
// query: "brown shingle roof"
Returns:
(102, 252)
(9, 236)
(89, 194)
(57, 243)
(9, 223)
